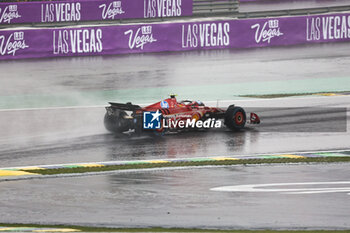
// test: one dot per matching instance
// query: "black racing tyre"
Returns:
(116, 123)
(235, 118)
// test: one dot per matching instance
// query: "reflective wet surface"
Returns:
(176, 198)
(183, 198)
(284, 131)
(139, 72)
(77, 134)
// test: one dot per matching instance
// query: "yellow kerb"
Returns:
(15, 173)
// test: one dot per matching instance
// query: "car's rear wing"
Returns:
(127, 107)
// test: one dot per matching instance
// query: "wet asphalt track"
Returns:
(139, 71)
(30, 137)
(280, 131)
(171, 198)
(183, 198)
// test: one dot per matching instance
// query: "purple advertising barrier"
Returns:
(88, 10)
(292, 30)
(121, 39)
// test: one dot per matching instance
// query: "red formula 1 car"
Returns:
(171, 115)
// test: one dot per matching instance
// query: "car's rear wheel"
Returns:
(116, 122)
(235, 118)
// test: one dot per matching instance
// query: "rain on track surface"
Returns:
(183, 198)
(77, 134)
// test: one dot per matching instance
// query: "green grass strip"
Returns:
(72, 166)
(327, 154)
(188, 163)
(134, 162)
(272, 157)
(201, 159)
(160, 229)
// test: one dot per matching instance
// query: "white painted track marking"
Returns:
(259, 188)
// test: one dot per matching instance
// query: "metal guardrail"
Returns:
(202, 8)
(307, 11)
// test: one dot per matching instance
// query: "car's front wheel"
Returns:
(235, 118)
